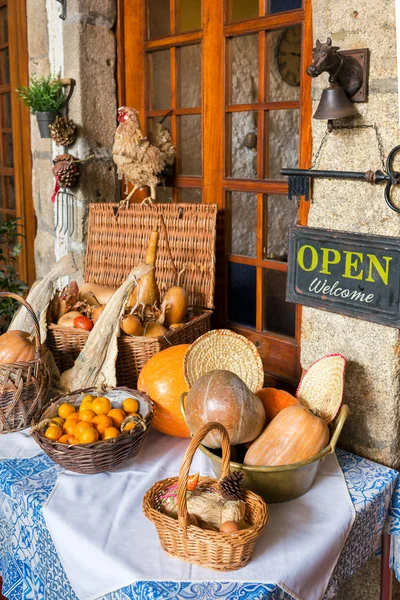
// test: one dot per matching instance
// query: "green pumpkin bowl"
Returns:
(285, 482)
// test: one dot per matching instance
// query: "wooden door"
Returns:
(15, 151)
(230, 76)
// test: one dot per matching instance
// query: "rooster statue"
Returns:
(141, 160)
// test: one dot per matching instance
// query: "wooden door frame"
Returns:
(19, 75)
(279, 350)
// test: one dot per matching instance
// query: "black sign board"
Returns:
(349, 273)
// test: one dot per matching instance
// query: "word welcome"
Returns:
(321, 287)
(354, 264)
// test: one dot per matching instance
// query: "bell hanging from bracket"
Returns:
(334, 104)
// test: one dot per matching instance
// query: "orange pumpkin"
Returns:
(275, 400)
(163, 380)
(294, 435)
(16, 346)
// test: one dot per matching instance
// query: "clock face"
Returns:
(289, 55)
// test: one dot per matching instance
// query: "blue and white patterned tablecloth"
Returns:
(32, 569)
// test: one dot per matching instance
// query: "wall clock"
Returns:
(289, 55)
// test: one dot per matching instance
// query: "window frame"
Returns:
(281, 354)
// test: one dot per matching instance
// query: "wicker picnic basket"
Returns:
(102, 455)
(23, 385)
(210, 549)
(117, 241)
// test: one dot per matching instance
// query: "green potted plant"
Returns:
(44, 97)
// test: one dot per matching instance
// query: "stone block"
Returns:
(96, 12)
(38, 37)
(42, 184)
(44, 252)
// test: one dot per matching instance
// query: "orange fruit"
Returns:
(101, 405)
(58, 421)
(65, 409)
(87, 415)
(80, 426)
(69, 426)
(130, 405)
(101, 423)
(73, 417)
(88, 436)
(117, 415)
(87, 398)
(129, 426)
(63, 439)
(85, 405)
(53, 433)
(110, 432)
(72, 440)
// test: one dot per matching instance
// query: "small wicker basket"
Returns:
(102, 455)
(23, 385)
(213, 550)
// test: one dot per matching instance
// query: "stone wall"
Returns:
(372, 378)
(82, 48)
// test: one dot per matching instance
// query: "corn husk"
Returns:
(40, 295)
(95, 364)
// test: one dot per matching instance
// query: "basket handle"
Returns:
(30, 310)
(187, 461)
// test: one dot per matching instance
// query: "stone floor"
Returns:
(365, 585)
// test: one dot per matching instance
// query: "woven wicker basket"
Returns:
(23, 385)
(213, 550)
(117, 242)
(102, 455)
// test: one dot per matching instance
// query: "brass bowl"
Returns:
(286, 482)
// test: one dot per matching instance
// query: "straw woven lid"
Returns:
(227, 350)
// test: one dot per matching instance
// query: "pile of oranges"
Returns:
(95, 419)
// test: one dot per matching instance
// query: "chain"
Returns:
(378, 139)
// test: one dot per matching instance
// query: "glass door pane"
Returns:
(277, 6)
(159, 85)
(158, 18)
(240, 10)
(244, 69)
(279, 213)
(188, 15)
(279, 315)
(189, 76)
(283, 71)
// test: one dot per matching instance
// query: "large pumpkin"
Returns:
(163, 380)
(223, 397)
(294, 435)
(275, 400)
(16, 346)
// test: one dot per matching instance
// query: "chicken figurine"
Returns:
(141, 160)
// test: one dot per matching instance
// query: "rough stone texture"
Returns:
(372, 378)
(84, 49)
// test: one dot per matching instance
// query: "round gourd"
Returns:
(16, 346)
(223, 397)
(132, 325)
(275, 400)
(163, 380)
(175, 305)
(294, 435)
(68, 319)
(154, 330)
(102, 294)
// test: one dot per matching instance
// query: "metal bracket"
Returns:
(63, 14)
(362, 57)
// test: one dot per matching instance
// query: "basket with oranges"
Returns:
(90, 432)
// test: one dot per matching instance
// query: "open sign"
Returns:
(349, 273)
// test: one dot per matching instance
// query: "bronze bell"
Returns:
(334, 104)
(250, 140)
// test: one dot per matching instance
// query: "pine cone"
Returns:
(66, 169)
(63, 131)
(231, 486)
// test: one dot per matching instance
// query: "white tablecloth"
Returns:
(105, 542)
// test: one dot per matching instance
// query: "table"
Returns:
(31, 568)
